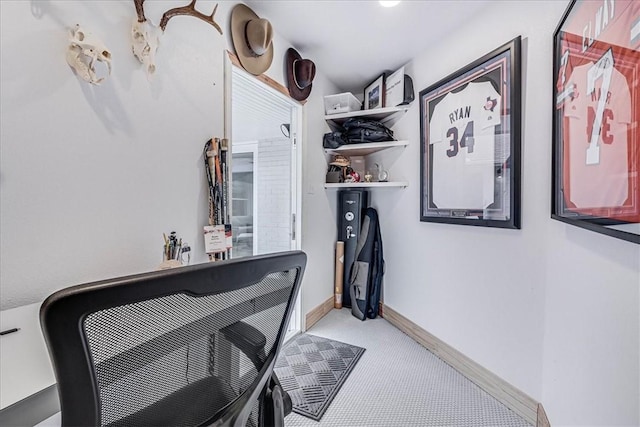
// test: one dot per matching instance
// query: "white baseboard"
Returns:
(318, 313)
(513, 398)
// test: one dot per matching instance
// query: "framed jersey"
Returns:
(596, 148)
(470, 143)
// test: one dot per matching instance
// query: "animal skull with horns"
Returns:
(146, 36)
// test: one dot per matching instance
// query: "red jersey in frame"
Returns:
(598, 84)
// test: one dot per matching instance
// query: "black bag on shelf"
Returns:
(359, 130)
(334, 140)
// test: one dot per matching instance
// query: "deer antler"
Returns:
(140, 10)
(187, 10)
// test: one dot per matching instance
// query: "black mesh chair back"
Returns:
(188, 346)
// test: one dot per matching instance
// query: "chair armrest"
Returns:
(249, 340)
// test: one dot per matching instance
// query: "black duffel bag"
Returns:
(358, 130)
(334, 140)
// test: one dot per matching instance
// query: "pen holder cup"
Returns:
(169, 263)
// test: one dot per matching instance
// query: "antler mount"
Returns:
(140, 10)
(189, 10)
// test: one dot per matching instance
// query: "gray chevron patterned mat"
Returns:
(312, 370)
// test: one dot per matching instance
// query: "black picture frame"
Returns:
(374, 93)
(470, 143)
(596, 140)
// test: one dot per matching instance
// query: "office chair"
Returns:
(188, 346)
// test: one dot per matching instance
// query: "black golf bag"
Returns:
(367, 270)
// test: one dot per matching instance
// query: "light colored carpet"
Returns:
(398, 383)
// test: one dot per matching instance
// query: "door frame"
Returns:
(274, 88)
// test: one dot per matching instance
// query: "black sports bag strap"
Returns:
(334, 140)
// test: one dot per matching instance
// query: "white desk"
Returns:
(25, 367)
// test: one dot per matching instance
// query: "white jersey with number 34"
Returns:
(462, 135)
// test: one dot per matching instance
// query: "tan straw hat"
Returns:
(340, 160)
(251, 37)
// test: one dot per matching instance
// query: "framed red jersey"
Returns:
(596, 148)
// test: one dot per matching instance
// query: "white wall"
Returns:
(90, 177)
(551, 308)
(319, 227)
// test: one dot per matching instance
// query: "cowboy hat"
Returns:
(300, 74)
(251, 37)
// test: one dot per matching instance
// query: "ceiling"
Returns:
(354, 41)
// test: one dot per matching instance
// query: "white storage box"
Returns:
(341, 103)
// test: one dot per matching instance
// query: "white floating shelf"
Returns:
(387, 115)
(366, 184)
(366, 148)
